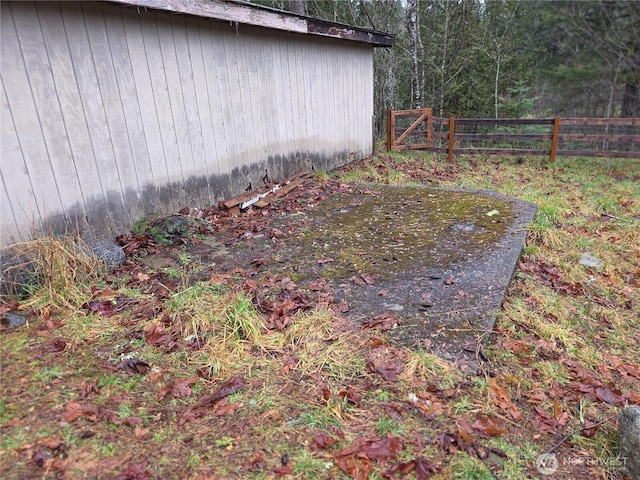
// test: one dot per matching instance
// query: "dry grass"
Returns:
(56, 273)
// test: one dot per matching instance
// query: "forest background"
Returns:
(498, 58)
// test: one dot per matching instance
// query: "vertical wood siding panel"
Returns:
(93, 107)
(329, 129)
(289, 75)
(232, 103)
(285, 115)
(354, 103)
(177, 115)
(273, 69)
(70, 104)
(312, 99)
(245, 112)
(31, 94)
(323, 140)
(254, 101)
(140, 90)
(209, 142)
(303, 64)
(221, 134)
(339, 127)
(268, 94)
(18, 210)
(269, 113)
(367, 105)
(351, 100)
(29, 161)
(342, 96)
(189, 89)
(12, 231)
(119, 30)
(296, 98)
(365, 131)
(164, 115)
(229, 109)
(115, 134)
(347, 89)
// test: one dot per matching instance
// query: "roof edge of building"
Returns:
(257, 15)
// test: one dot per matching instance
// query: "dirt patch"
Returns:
(439, 260)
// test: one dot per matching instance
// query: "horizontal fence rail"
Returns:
(599, 137)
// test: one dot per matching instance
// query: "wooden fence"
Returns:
(600, 137)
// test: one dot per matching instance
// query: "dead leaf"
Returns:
(134, 366)
(76, 410)
(324, 259)
(323, 440)
(257, 461)
(364, 279)
(351, 396)
(428, 405)
(182, 387)
(488, 427)
(56, 345)
(425, 468)
(384, 322)
(355, 460)
(140, 432)
(501, 398)
(609, 396)
(106, 308)
(447, 442)
(136, 471)
(154, 334)
(537, 396)
(88, 388)
(231, 386)
(283, 470)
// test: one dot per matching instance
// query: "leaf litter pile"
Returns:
(199, 367)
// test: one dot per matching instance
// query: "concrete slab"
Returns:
(440, 260)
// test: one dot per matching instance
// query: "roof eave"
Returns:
(249, 14)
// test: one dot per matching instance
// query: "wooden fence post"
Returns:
(452, 130)
(554, 140)
(390, 130)
(429, 126)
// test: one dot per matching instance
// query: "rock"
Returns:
(588, 260)
(14, 320)
(108, 252)
(18, 273)
(629, 430)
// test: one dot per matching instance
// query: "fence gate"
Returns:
(412, 127)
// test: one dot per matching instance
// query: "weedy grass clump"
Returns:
(50, 273)
(224, 324)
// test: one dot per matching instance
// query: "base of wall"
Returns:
(105, 219)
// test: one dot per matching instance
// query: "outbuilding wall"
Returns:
(110, 113)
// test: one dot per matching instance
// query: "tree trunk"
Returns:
(298, 6)
(631, 100)
(414, 33)
(495, 91)
(443, 64)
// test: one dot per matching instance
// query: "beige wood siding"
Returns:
(109, 114)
